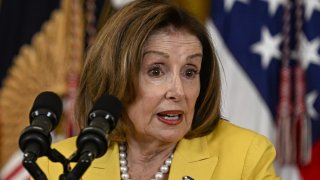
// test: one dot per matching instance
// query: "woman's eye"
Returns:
(190, 73)
(155, 71)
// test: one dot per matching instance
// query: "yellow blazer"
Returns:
(228, 153)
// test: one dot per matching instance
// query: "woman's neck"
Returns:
(145, 159)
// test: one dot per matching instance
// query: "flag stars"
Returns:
(268, 47)
(310, 100)
(273, 5)
(311, 6)
(308, 52)
(228, 4)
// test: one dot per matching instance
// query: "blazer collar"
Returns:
(193, 158)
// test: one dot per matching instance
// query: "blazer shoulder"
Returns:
(228, 135)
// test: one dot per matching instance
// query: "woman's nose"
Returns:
(175, 89)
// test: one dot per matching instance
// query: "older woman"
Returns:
(159, 61)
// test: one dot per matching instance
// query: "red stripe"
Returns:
(312, 170)
(15, 171)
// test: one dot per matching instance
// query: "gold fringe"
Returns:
(41, 66)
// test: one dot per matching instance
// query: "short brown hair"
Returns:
(113, 62)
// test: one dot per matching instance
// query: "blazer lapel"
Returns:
(106, 167)
(192, 158)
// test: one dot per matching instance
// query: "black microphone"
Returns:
(102, 119)
(44, 117)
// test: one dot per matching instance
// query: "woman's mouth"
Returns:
(170, 117)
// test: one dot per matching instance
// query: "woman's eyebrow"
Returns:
(195, 56)
(167, 56)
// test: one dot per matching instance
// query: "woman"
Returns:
(159, 61)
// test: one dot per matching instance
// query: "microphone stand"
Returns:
(29, 162)
(84, 159)
(82, 165)
(56, 156)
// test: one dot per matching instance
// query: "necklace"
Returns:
(164, 169)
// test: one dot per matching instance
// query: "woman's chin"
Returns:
(170, 136)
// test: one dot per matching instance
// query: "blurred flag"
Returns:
(254, 39)
(14, 168)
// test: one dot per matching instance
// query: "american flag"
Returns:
(255, 41)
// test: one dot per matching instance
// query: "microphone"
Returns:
(44, 117)
(92, 141)
(102, 119)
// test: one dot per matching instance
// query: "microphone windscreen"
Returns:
(110, 104)
(50, 101)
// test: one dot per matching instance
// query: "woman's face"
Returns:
(169, 85)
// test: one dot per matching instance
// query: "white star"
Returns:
(268, 47)
(310, 6)
(308, 51)
(228, 4)
(273, 5)
(310, 100)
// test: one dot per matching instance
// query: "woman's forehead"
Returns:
(170, 34)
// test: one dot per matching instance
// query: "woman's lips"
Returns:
(170, 117)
